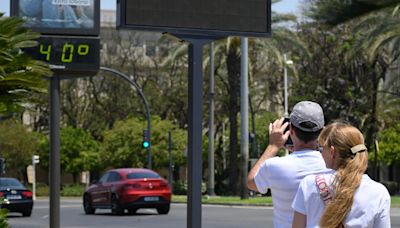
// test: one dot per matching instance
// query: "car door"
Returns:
(111, 185)
(98, 193)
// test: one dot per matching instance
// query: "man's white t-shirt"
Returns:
(283, 175)
(371, 205)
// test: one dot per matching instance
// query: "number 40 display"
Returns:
(68, 55)
(68, 51)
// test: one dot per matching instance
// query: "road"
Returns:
(214, 216)
(72, 216)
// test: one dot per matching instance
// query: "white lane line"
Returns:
(45, 217)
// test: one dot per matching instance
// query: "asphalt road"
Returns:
(72, 216)
(214, 216)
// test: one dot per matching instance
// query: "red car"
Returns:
(130, 189)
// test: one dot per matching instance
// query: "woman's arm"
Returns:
(299, 220)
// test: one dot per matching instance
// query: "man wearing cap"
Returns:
(283, 174)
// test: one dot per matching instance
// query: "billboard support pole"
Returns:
(55, 171)
(195, 115)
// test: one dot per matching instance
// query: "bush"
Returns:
(73, 190)
(392, 187)
(67, 190)
(42, 189)
(181, 187)
(3, 216)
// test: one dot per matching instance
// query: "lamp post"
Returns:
(285, 79)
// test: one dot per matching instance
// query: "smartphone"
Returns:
(289, 142)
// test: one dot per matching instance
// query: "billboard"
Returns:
(59, 17)
(202, 17)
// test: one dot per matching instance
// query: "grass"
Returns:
(235, 200)
(232, 200)
(395, 201)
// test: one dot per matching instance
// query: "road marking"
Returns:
(45, 217)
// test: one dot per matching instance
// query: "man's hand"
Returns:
(277, 135)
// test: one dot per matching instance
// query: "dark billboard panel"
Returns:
(207, 17)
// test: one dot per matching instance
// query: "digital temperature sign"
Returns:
(70, 55)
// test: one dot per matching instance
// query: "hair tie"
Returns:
(358, 148)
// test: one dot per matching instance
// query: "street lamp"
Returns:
(286, 63)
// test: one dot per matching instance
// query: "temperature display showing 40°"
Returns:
(71, 54)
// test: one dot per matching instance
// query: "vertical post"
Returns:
(210, 189)
(244, 109)
(223, 147)
(54, 152)
(149, 159)
(33, 178)
(170, 169)
(195, 133)
(286, 112)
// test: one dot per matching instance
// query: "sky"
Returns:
(285, 6)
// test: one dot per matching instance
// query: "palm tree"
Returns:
(20, 76)
(270, 52)
(377, 40)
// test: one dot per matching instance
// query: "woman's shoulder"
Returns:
(374, 186)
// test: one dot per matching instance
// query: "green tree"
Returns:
(79, 152)
(389, 145)
(122, 145)
(335, 12)
(372, 39)
(20, 76)
(17, 145)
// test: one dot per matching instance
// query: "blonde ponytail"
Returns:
(350, 168)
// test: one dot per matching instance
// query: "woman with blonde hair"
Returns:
(343, 196)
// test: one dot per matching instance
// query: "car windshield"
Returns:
(10, 183)
(142, 175)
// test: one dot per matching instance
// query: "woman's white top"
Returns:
(371, 205)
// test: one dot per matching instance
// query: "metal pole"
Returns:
(211, 184)
(146, 104)
(170, 177)
(223, 147)
(55, 171)
(286, 113)
(244, 111)
(195, 133)
(33, 178)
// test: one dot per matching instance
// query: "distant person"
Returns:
(343, 196)
(283, 174)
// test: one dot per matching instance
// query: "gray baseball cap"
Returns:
(307, 116)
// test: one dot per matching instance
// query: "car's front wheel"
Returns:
(163, 209)
(87, 205)
(116, 208)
